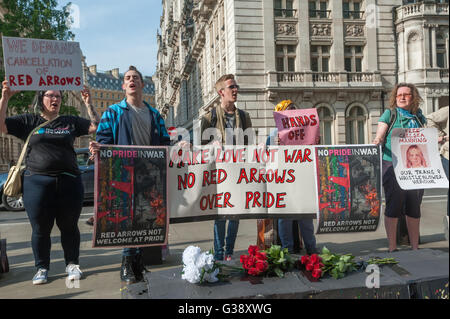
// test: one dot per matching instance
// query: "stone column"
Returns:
(269, 36)
(371, 36)
(337, 56)
(426, 46)
(433, 46)
(303, 49)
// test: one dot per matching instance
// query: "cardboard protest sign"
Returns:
(38, 64)
(349, 188)
(244, 182)
(297, 126)
(416, 160)
(131, 196)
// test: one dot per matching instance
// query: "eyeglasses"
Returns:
(234, 86)
(403, 95)
(51, 96)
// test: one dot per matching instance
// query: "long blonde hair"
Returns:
(416, 99)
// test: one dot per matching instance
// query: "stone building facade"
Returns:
(340, 56)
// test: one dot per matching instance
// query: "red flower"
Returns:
(260, 256)
(253, 249)
(317, 273)
(250, 262)
(261, 266)
(243, 259)
(253, 272)
(304, 260)
(315, 258)
(318, 266)
(309, 266)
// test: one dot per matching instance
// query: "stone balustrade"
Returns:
(420, 9)
(313, 79)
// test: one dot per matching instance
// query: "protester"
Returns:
(405, 104)
(131, 122)
(414, 157)
(285, 230)
(439, 120)
(225, 118)
(52, 187)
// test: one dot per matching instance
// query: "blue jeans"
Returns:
(219, 237)
(306, 230)
(130, 251)
(445, 166)
(50, 198)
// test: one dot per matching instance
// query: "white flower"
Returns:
(198, 266)
(191, 254)
(191, 274)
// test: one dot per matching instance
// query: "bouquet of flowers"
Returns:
(199, 267)
(273, 261)
(255, 263)
(313, 264)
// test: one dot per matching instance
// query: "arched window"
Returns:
(326, 124)
(355, 125)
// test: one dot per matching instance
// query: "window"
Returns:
(320, 58)
(326, 120)
(318, 9)
(352, 9)
(284, 8)
(441, 52)
(355, 124)
(285, 58)
(353, 56)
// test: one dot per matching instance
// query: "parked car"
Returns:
(86, 167)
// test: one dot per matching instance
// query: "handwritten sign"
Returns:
(37, 64)
(131, 197)
(298, 127)
(415, 157)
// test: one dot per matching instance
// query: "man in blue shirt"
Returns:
(131, 122)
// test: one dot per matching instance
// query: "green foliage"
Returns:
(337, 265)
(279, 260)
(38, 19)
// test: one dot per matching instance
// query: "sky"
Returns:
(117, 33)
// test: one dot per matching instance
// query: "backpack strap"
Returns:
(213, 117)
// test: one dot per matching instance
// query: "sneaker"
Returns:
(40, 277)
(228, 258)
(74, 272)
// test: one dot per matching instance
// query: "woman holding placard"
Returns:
(52, 187)
(404, 112)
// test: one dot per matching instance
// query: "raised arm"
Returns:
(6, 95)
(381, 132)
(93, 115)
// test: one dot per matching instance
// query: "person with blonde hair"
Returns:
(405, 106)
(414, 157)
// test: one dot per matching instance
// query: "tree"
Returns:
(38, 19)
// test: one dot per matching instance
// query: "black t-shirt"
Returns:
(50, 149)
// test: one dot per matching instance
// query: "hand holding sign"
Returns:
(7, 93)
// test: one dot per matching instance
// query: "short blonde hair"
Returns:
(221, 80)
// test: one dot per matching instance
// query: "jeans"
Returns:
(219, 237)
(130, 252)
(50, 198)
(445, 166)
(306, 230)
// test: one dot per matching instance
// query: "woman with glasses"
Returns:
(52, 187)
(405, 102)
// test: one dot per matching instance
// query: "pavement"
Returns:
(101, 266)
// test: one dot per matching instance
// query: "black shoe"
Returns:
(138, 267)
(126, 272)
(90, 221)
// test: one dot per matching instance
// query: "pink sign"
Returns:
(298, 127)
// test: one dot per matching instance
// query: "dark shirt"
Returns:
(50, 149)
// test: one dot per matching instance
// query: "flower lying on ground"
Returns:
(199, 266)
(255, 263)
(313, 264)
(273, 261)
